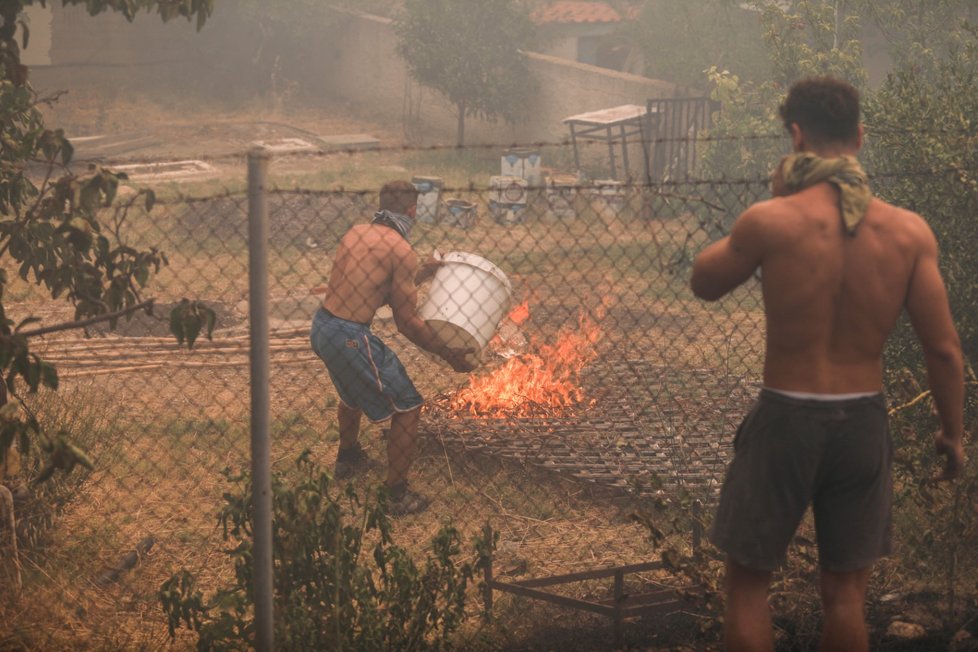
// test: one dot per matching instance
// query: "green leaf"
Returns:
(176, 321)
(111, 188)
(67, 152)
(49, 375)
(210, 319)
(44, 474)
(79, 456)
(142, 276)
(191, 327)
(89, 197)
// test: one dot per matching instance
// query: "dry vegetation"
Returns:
(163, 423)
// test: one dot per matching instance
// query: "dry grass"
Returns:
(170, 421)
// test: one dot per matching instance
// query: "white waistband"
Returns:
(812, 396)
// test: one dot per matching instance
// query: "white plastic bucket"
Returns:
(429, 191)
(468, 298)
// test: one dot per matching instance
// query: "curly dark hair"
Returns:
(398, 196)
(827, 109)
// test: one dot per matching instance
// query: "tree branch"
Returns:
(88, 322)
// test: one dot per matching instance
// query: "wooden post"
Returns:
(619, 597)
(611, 152)
(577, 157)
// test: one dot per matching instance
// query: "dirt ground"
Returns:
(568, 529)
(145, 128)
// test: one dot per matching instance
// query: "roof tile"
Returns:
(575, 11)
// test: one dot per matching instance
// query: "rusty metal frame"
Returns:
(618, 607)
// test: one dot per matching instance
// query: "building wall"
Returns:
(366, 71)
(38, 51)
(108, 52)
(355, 62)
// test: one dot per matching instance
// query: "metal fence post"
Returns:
(261, 481)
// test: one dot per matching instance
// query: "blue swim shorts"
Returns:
(366, 372)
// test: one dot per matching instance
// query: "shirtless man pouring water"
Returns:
(838, 267)
(375, 265)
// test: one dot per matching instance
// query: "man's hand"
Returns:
(459, 358)
(428, 267)
(953, 451)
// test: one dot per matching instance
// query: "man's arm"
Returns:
(730, 261)
(404, 305)
(930, 315)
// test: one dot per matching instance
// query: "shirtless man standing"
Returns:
(375, 265)
(833, 292)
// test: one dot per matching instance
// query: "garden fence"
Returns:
(605, 386)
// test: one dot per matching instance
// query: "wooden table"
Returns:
(613, 125)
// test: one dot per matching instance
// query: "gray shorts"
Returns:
(789, 453)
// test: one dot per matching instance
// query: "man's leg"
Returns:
(349, 419)
(843, 603)
(747, 615)
(401, 445)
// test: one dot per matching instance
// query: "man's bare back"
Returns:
(363, 271)
(831, 299)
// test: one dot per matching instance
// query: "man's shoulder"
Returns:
(770, 215)
(890, 216)
(380, 234)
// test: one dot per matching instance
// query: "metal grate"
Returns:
(648, 426)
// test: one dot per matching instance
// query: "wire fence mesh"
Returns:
(602, 384)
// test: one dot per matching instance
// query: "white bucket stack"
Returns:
(507, 199)
(429, 192)
(522, 162)
(468, 298)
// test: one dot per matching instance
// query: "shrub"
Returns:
(340, 580)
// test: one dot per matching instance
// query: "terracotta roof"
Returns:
(575, 11)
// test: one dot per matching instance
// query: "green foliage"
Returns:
(470, 52)
(199, 10)
(919, 33)
(188, 318)
(51, 225)
(341, 583)
(63, 455)
(946, 91)
(811, 38)
(725, 36)
(814, 37)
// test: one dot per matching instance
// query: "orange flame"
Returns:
(520, 313)
(548, 378)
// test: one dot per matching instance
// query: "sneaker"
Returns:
(350, 462)
(404, 501)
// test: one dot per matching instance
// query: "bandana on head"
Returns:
(804, 169)
(397, 221)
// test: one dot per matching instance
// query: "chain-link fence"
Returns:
(603, 387)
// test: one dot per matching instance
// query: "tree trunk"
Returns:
(460, 131)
